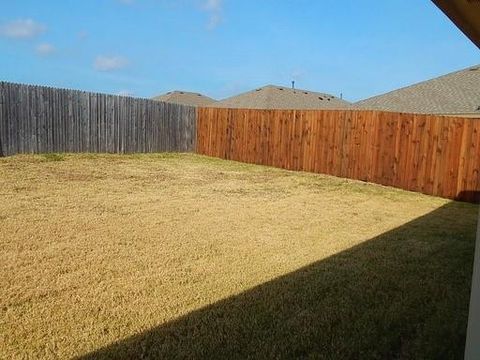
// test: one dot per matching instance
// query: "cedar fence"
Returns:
(431, 154)
(36, 119)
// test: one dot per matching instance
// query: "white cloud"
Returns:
(213, 5)
(109, 63)
(215, 10)
(45, 49)
(214, 21)
(82, 35)
(22, 29)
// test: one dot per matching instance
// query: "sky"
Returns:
(220, 48)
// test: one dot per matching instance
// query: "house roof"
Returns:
(185, 98)
(465, 14)
(279, 97)
(454, 93)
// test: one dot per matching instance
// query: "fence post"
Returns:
(3, 115)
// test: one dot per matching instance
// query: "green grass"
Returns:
(53, 157)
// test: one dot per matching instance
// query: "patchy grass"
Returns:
(178, 255)
(53, 157)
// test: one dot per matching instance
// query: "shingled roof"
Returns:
(185, 98)
(278, 97)
(457, 93)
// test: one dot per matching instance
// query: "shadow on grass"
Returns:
(401, 295)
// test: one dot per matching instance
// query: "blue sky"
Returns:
(222, 47)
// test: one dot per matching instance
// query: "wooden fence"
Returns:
(36, 119)
(425, 153)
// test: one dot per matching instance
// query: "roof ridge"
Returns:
(282, 97)
(416, 84)
(286, 88)
(182, 92)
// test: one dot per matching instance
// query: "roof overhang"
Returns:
(465, 14)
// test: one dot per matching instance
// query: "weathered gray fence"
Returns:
(37, 119)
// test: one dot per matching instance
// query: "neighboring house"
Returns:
(457, 93)
(279, 97)
(185, 98)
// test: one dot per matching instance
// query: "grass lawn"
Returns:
(183, 256)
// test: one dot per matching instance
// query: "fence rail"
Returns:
(425, 153)
(36, 119)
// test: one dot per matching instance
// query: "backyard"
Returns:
(186, 256)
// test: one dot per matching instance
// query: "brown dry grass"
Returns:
(96, 248)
